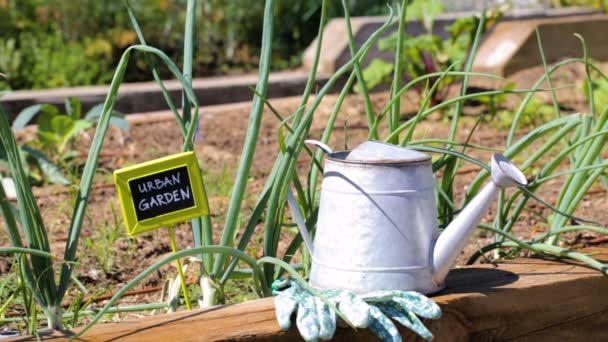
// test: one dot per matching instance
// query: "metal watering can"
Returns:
(377, 226)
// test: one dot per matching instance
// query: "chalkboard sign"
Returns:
(160, 192)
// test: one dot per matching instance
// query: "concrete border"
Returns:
(512, 46)
(147, 96)
(335, 52)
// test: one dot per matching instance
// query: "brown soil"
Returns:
(218, 147)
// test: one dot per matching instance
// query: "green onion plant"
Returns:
(574, 142)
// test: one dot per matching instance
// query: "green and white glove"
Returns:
(404, 307)
(315, 320)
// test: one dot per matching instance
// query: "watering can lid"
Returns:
(376, 151)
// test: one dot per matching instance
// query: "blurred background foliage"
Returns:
(589, 3)
(58, 43)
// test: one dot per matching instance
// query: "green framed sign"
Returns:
(161, 192)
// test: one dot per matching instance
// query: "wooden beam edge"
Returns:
(518, 299)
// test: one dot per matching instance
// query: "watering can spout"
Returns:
(453, 239)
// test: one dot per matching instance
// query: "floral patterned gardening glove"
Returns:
(315, 320)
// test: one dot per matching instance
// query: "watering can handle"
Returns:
(295, 210)
(320, 145)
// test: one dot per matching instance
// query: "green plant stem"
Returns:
(112, 310)
(254, 219)
(395, 115)
(310, 84)
(157, 78)
(297, 116)
(547, 76)
(417, 80)
(465, 80)
(516, 148)
(444, 142)
(188, 52)
(577, 184)
(569, 172)
(202, 228)
(314, 171)
(180, 271)
(30, 251)
(285, 169)
(528, 97)
(258, 276)
(543, 248)
(425, 101)
(91, 162)
(369, 109)
(549, 144)
(39, 279)
(450, 102)
(449, 174)
(568, 229)
(251, 139)
(9, 218)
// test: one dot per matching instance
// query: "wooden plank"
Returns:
(522, 300)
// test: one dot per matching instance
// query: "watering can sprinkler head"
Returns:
(505, 174)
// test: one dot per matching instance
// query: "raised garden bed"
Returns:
(155, 134)
(480, 303)
(526, 299)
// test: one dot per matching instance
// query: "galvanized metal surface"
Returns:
(377, 227)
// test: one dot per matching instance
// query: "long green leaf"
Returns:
(425, 101)
(184, 253)
(25, 116)
(51, 171)
(93, 156)
(10, 222)
(369, 109)
(522, 143)
(157, 78)
(452, 101)
(251, 139)
(395, 114)
(544, 248)
(315, 169)
(528, 97)
(30, 251)
(294, 146)
(30, 218)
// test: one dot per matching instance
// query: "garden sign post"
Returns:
(160, 193)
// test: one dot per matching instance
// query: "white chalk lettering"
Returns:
(185, 194)
(143, 205)
(160, 183)
(160, 200)
(166, 198)
(142, 187)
